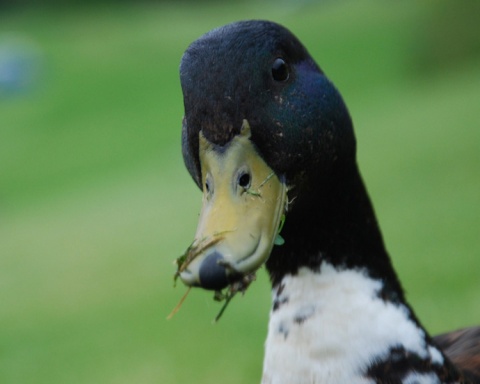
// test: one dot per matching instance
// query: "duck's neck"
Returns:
(332, 220)
(339, 313)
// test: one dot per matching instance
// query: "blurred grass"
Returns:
(95, 203)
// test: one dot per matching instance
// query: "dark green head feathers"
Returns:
(259, 71)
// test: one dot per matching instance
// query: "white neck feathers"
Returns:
(330, 326)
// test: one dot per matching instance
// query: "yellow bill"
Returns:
(243, 205)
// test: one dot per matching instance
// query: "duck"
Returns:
(269, 141)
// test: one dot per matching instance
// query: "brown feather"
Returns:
(463, 348)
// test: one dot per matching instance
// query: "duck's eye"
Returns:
(244, 180)
(208, 185)
(280, 70)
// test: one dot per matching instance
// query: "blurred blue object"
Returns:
(21, 65)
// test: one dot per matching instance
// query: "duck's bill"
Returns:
(243, 207)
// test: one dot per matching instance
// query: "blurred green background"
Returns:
(95, 203)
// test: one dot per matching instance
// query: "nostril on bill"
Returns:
(212, 274)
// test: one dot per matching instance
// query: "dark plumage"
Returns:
(463, 349)
(259, 72)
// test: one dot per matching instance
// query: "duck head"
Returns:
(261, 122)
